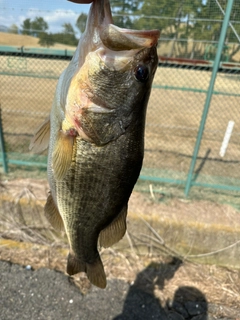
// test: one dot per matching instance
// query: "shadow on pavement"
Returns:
(141, 303)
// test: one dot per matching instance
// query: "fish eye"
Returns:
(141, 73)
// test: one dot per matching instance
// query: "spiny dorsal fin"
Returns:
(62, 155)
(114, 231)
(52, 214)
(40, 140)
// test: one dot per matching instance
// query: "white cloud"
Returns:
(8, 20)
(58, 18)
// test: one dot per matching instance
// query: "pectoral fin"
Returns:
(115, 231)
(62, 155)
(40, 140)
(52, 214)
(63, 150)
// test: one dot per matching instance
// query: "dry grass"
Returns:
(21, 224)
(9, 39)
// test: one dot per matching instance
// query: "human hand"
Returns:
(81, 1)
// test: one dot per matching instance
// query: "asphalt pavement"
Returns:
(46, 294)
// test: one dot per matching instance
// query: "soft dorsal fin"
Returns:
(40, 140)
(114, 231)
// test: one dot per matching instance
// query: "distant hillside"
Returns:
(10, 39)
(165, 48)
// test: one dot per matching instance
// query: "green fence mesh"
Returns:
(173, 118)
(190, 32)
(28, 86)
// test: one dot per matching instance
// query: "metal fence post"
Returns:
(209, 94)
(4, 158)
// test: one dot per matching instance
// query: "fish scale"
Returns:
(100, 171)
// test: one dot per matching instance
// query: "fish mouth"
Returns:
(118, 39)
(101, 32)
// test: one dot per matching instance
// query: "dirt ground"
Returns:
(154, 272)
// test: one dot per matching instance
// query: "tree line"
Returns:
(179, 22)
(38, 27)
(191, 27)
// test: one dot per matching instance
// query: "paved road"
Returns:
(48, 295)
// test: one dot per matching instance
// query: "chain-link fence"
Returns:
(27, 89)
(174, 115)
(188, 52)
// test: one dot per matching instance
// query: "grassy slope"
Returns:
(9, 39)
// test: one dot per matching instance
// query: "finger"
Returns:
(81, 1)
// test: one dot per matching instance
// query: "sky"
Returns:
(54, 12)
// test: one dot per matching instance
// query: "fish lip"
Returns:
(118, 39)
(100, 13)
(100, 30)
(151, 35)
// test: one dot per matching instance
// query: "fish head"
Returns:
(113, 80)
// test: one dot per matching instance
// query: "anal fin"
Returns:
(114, 231)
(52, 214)
(40, 140)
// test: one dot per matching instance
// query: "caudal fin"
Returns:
(95, 271)
(96, 274)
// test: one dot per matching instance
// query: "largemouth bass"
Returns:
(96, 137)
